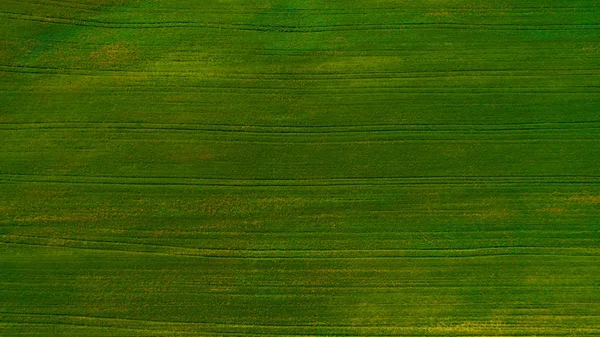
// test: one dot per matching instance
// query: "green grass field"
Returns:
(299, 168)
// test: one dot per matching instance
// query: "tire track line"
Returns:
(291, 29)
(319, 255)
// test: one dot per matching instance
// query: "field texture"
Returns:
(299, 168)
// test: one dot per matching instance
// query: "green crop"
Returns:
(299, 168)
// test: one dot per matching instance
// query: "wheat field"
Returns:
(299, 168)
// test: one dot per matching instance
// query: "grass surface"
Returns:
(299, 168)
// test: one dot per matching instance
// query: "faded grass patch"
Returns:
(56, 218)
(586, 198)
(113, 54)
(552, 210)
(470, 327)
(490, 214)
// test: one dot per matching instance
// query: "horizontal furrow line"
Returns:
(250, 292)
(251, 140)
(244, 325)
(321, 11)
(333, 90)
(298, 257)
(130, 248)
(297, 77)
(351, 330)
(325, 182)
(471, 178)
(340, 234)
(219, 288)
(281, 92)
(291, 131)
(291, 29)
(301, 128)
(326, 74)
(180, 184)
(466, 50)
(83, 242)
(516, 133)
(262, 8)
